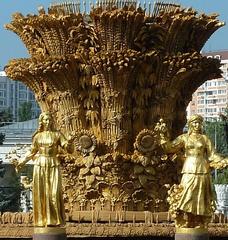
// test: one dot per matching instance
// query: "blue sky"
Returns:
(12, 47)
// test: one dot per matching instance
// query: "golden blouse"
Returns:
(45, 145)
(198, 152)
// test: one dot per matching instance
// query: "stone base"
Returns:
(50, 233)
(191, 234)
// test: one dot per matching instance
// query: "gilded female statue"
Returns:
(48, 208)
(193, 200)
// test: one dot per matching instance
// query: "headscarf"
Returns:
(192, 119)
(195, 117)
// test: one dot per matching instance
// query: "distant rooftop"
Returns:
(17, 134)
(222, 53)
(2, 74)
(20, 128)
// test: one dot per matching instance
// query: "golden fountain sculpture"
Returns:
(107, 77)
(48, 205)
(193, 201)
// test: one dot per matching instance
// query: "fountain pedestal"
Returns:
(191, 234)
(50, 233)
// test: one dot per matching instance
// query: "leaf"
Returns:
(143, 179)
(96, 171)
(138, 169)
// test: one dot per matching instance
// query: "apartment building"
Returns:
(211, 98)
(13, 94)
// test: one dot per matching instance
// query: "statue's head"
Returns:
(45, 121)
(195, 124)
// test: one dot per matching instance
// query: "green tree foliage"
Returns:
(2, 138)
(217, 132)
(6, 117)
(10, 195)
(25, 111)
(222, 177)
(2, 170)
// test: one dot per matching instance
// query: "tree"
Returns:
(224, 118)
(3, 116)
(10, 193)
(222, 177)
(2, 138)
(218, 132)
(25, 111)
(2, 170)
(6, 117)
(9, 196)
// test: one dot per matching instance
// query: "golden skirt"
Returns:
(198, 195)
(48, 207)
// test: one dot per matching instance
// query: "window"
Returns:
(209, 93)
(221, 83)
(200, 110)
(21, 102)
(222, 91)
(2, 93)
(210, 110)
(31, 96)
(222, 100)
(23, 95)
(200, 93)
(34, 105)
(3, 85)
(2, 102)
(211, 101)
(200, 101)
(22, 87)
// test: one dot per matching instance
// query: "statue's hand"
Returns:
(219, 164)
(163, 138)
(224, 162)
(162, 132)
(19, 165)
(71, 137)
(15, 163)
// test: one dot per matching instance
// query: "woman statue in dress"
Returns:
(48, 207)
(193, 200)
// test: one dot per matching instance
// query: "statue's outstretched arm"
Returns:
(173, 146)
(28, 156)
(67, 143)
(216, 160)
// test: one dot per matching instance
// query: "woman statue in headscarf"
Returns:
(48, 208)
(193, 201)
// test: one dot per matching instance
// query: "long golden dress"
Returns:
(198, 196)
(48, 205)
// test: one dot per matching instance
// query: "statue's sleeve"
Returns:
(65, 144)
(211, 153)
(216, 161)
(32, 152)
(34, 147)
(63, 141)
(173, 146)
